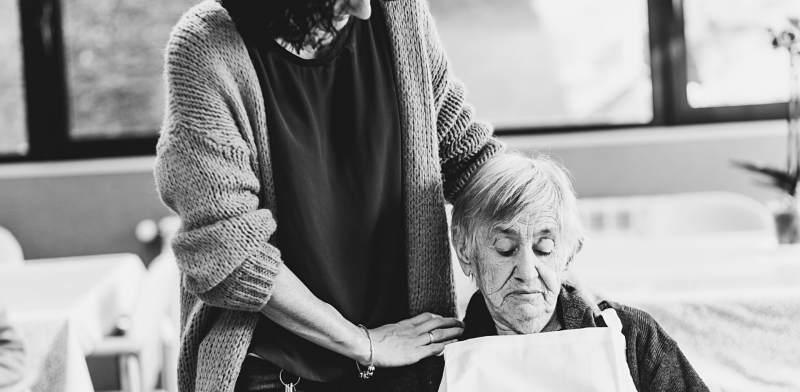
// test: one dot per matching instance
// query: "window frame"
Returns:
(685, 114)
(47, 96)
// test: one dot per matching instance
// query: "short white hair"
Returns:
(506, 186)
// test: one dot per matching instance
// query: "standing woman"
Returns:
(309, 147)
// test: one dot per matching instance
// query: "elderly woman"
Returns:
(515, 230)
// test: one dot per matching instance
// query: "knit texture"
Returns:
(655, 361)
(214, 170)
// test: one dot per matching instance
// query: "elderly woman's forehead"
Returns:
(531, 220)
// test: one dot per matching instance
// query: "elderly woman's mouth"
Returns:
(525, 293)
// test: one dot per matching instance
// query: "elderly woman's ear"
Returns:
(463, 253)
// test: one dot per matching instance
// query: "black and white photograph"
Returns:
(399, 195)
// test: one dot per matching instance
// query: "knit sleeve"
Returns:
(656, 361)
(464, 142)
(205, 172)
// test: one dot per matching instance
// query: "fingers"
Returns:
(410, 340)
(438, 323)
(440, 335)
(436, 348)
(420, 319)
(445, 345)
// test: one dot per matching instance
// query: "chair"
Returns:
(10, 250)
(147, 350)
(676, 215)
(26, 384)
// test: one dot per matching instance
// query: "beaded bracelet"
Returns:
(371, 368)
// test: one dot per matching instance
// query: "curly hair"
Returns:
(294, 21)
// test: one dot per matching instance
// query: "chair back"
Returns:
(676, 215)
(154, 307)
(10, 249)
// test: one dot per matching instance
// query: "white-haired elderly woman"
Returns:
(515, 230)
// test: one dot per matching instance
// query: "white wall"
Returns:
(90, 207)
(645, 161)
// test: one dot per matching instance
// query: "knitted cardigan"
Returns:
(213, 169)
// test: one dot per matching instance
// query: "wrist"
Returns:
(360, 346)
(370, 369)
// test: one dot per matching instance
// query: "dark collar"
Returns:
(573, 313)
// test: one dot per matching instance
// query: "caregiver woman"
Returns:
(309, 150)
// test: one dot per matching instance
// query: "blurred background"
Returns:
(634, 98)
(646, 103)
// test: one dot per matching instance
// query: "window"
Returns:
(543, 65)
(727, 59)
(92, 76)
(721, 66)
(539, 63)
(83, 78)
(13, 139)
(114, 65)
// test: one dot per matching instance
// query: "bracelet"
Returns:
(371, 368)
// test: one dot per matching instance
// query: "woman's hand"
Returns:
(295, 308)
(409, 341)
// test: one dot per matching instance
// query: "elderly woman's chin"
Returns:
(525, 314)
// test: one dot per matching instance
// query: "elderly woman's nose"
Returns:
(527, 266)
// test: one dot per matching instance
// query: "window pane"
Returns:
(730, 60)
(114, 64)
(13, 138)
(550, 62)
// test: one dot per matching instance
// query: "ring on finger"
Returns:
(430, 335)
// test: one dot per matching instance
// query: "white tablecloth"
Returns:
(732, 302)
(64, 307)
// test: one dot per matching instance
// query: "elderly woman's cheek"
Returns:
(552, 276)
(492, 277)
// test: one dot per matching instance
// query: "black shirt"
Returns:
(334, 130)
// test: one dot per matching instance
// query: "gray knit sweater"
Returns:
(214, 170)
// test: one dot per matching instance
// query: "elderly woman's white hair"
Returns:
(509, 184)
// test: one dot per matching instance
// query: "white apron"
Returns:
(587, 359)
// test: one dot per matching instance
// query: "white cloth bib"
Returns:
(587, 359)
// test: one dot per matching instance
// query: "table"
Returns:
(63, 307)
(731, 301)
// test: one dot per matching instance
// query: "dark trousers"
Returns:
(258, 375)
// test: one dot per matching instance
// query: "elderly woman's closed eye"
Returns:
(516, 228)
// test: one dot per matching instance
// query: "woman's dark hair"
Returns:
(291, 20)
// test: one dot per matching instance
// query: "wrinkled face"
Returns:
(519, 271)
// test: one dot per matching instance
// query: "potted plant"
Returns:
(786, 209)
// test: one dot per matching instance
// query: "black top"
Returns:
(334, 130)
(654, 359)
